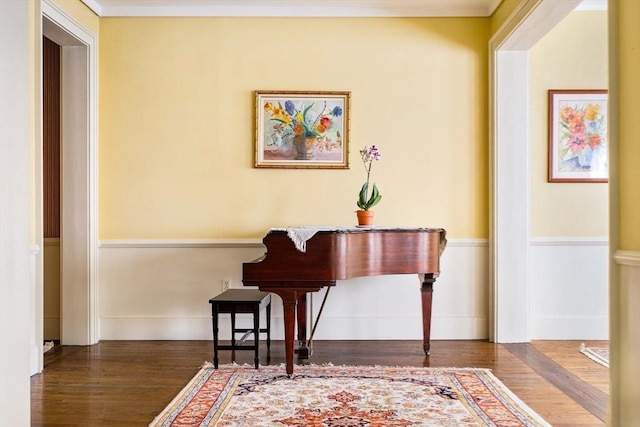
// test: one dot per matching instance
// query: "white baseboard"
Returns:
(34, 359)
(334, 328)
(159, 328)
(401, 328)
(570, 328)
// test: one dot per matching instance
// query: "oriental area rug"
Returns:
(346, 396)
(597, 354)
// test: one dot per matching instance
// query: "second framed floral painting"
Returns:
(302, 129)
(578, 143)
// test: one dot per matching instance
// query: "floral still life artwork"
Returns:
(302, 129)
(578, 143)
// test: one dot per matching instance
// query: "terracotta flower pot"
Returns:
(365, 217)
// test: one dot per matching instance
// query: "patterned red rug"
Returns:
(346, 396)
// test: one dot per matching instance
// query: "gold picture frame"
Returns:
(298, 129)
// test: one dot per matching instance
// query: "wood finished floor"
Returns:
(127, 383)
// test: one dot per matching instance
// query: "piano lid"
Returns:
(336, 253)
(300, 235)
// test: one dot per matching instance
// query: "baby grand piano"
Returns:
(301, 260)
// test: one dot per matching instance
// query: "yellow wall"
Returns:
(629, 130)
(503, 11)
(566, 209)
(177, 126)
(81, 13)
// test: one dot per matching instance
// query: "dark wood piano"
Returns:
(290, 270)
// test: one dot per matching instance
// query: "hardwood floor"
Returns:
(127, 383)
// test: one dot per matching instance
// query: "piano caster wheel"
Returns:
(426, 353)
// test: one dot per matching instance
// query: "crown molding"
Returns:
(94, 5)
(294, 8)
(592, 5)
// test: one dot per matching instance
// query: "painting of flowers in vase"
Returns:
(578, 139)
(302, 129)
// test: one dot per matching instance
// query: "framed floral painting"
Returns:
(578, 139)
(302, 129)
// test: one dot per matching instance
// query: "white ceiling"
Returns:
(334, 8)
(317, 8)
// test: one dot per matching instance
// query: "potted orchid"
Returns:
(366, 199)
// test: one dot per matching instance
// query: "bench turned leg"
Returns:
(214, 319)
(256, 334)
(233, 335)
(269, 328)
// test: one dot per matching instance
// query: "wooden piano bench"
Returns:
(235, 301)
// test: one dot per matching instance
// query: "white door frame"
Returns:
(509, 157)
(78, 228)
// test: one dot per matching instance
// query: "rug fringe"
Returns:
(593, 356)
(234, 365)
(506, 390)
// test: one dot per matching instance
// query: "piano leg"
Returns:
(427, 293)
(289, 301)
(303, 349)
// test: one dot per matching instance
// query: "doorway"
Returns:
(510, 186)
(78, 177)
(51, 187)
